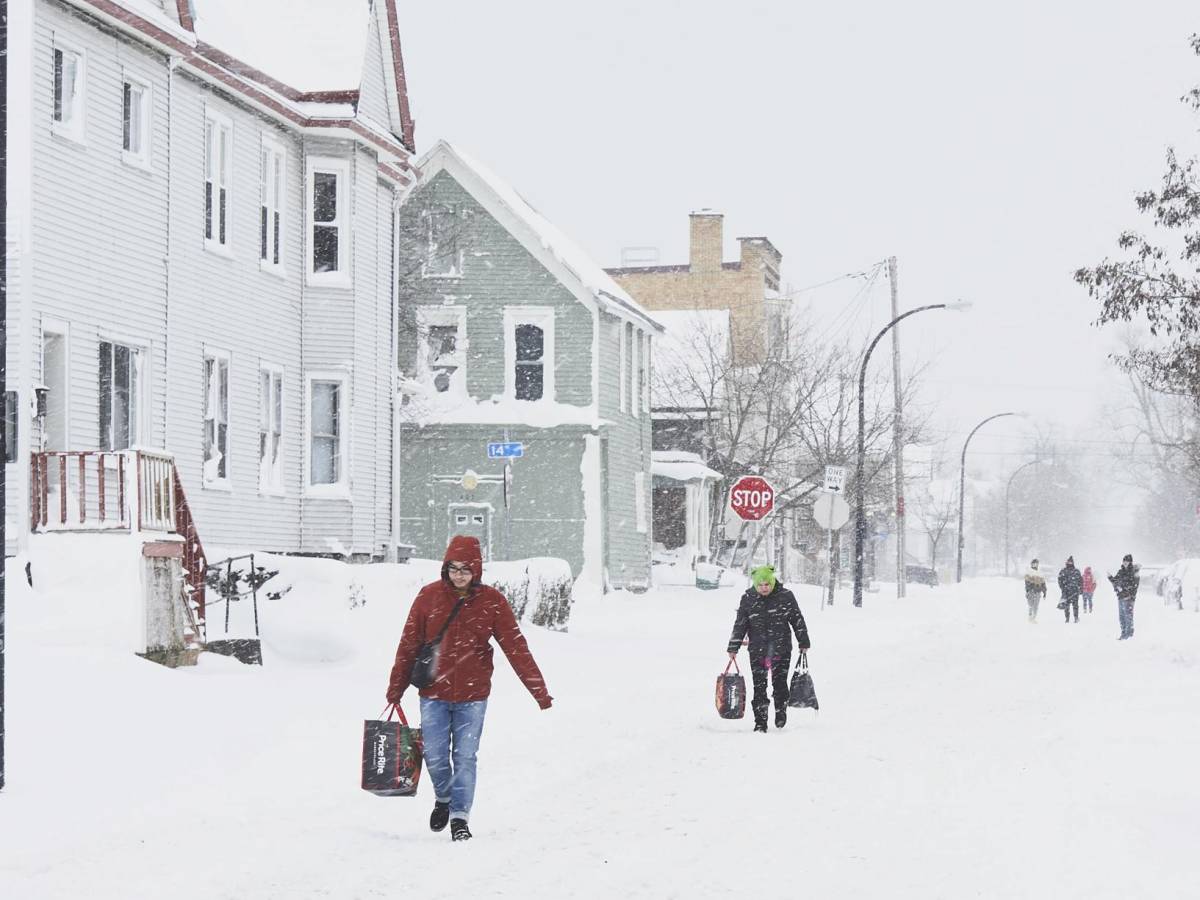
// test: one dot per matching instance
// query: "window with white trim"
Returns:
(10, 426)
(639, 501)
(621, 363)
(218, 166)
(270, 430)
(270, 205)
(635, 364)
(442, 348)
(443, 253)
(529, 352)
(328, 426)
(327, 210)
(120, 395)
(68, 66)
(216, 417)
(135, 121)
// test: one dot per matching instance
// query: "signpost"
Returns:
(752, 497)
(831, 512)
(505, 450)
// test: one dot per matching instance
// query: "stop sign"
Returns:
(751, 497)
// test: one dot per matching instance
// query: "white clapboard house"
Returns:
(202, 197)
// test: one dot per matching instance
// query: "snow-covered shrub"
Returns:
(538, 589)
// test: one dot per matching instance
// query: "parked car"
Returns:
(921, 575)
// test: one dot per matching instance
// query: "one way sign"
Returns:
(835, 479)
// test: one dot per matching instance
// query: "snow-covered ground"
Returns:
(959, 752)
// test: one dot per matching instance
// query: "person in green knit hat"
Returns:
(770, 614)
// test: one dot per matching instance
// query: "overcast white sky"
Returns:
(992, 151)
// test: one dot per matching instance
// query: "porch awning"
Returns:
(680, 466)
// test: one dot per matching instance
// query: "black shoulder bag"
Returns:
(425, 665)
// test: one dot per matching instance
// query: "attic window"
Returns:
(443, 251)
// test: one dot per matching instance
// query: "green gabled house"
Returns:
(511, 340)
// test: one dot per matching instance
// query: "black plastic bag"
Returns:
(802, 693)
(731, 693)
(391, 756)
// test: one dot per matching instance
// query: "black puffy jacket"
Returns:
(1070, 582)
(770, 620)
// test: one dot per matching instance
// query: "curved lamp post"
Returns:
(962, 486)
(860, 515)
(1007, 493)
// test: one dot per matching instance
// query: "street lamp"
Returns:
(1007, 492)
(860, 515)
(962, 487)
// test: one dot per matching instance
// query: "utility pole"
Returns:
(3, 328)
(898, 437)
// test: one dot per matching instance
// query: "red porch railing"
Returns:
(96, 490)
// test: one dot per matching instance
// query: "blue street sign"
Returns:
(505, 450)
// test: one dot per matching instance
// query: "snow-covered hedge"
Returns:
(538, 589)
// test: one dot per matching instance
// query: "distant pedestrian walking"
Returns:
(1125, 583)
(770, 613)
(1070, 582)
(1089, 588)
(1035, 589)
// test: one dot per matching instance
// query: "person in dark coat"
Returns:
(1070, 582)
(770, 613)
(1125, 583)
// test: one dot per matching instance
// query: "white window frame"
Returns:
(542, 317)
(139, 158)
(139, 397)
(273, 197)
(639, 501)
(62, 328)
(635, 362)
(342, 221)
(455, 269)
(622, 376)
(270, 477)
(219, 176)
(74, 126)
(442, 315)
(340, 489)
(211, 401)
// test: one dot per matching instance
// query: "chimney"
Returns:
(760, 252)
(705, 250)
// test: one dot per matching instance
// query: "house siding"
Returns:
(372, 98)
(546, 510)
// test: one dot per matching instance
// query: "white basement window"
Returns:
(270, 430)
(216, 418)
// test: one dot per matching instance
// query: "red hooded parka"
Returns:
(464, 663)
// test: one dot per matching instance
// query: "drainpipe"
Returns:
(172, 63)
(393, 363)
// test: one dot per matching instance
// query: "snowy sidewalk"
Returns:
(960, 752)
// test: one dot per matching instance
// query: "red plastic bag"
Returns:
(391, 756)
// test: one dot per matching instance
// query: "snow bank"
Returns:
(539, 590)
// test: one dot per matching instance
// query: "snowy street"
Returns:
(959, 752)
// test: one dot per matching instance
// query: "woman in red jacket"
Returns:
(454, 703)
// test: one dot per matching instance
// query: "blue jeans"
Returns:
(451, 733)
(1125, 612)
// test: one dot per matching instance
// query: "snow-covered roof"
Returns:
(310, 45)
(610, 295)
(679, 465)
(689, 357)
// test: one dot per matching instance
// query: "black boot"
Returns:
(459, 830)
(760, 725)
(440, 816)
(781, 717)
